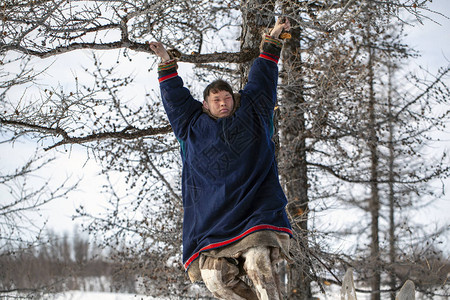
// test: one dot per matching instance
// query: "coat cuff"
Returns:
(271, 48)
(167, 70)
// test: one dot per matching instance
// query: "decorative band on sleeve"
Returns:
(167, 77)
(271, 48)
(269, 56)
(273, 41)
(167, 70)
(167, 65)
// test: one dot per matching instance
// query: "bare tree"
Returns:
(323, 83)
(23, 201)
(366, 151)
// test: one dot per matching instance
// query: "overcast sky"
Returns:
(432, 40)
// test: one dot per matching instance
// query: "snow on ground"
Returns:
(333, 294)
(79, 295)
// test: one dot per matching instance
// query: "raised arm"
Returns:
(263, 76)
(178, 102)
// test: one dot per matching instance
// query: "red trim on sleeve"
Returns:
(224, 243)
(274, 59)
(161, 79)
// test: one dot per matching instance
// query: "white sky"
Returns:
(432, 40)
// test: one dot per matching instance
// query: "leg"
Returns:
(220, 277)
(260, 267)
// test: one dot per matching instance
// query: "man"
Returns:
(235, 221)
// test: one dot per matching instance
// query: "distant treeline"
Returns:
(61, 263)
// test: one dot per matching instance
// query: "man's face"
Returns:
(219, 104)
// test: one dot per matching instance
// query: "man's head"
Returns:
(218, 99)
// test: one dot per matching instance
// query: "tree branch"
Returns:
(236, 57)
(124, 134)
(128, 133)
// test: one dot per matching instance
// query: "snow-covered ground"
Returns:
(78, 295)
(332, 294)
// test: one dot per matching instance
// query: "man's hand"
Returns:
(280, 25)
(160, 51)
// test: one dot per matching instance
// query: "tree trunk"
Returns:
(293, 160)
(251, 33)
(374, 202)
(392, 239)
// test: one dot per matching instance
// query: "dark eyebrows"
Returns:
(226, 97)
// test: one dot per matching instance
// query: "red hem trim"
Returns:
(161, 79)
(268, 57)
(224, 243)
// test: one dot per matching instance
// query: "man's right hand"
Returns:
(160, 51)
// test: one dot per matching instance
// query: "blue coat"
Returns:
(230, 182)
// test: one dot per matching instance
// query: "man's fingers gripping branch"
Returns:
(159, 50)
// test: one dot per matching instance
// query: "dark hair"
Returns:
(217, 86)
